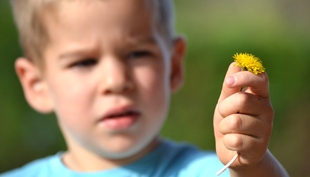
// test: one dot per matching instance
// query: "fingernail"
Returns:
(231, 80)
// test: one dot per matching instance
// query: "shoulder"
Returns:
(37, 168)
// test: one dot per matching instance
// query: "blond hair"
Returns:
(28, 15)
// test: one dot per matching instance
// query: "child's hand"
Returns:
(243, 120)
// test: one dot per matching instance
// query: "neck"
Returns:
(82, 160)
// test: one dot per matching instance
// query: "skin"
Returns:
(107, 55)
(104, 56)
(243, 123)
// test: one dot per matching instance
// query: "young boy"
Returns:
(107, 68)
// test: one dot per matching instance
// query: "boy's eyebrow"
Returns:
(75, 52)
(142, 40)
(71, 54)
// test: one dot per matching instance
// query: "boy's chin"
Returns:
(130, 152)
(118, 155)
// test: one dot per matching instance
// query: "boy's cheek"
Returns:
(70, 101)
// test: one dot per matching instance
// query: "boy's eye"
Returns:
(85, 63)
(139, 54)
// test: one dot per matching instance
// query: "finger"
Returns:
(216, 121)
(226, 90)
(249, 147)
(245, 124)
(244, 103)
(239, 142)
(256, 84)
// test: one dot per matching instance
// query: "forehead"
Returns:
(111, 8)
(85, 19)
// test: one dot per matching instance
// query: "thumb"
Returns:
(227, 91)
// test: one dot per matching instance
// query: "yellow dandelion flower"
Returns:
(249, 62)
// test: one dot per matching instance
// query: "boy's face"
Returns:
(109, 75)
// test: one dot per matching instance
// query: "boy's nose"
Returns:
(117, 78)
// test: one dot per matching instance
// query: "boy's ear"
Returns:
(177, 63)
(34, 86)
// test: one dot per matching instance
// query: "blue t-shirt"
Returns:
(167, 160)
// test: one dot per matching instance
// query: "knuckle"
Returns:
(235, 122)
(219, 109)
(269, 118)
(264, 78)
(222, 127)
(271, 113)
(266, 133)
(235, 141)
(269, 127)
(242, 99)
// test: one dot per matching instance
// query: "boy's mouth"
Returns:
(120, 118)
(118, 115)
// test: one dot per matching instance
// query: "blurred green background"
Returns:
(277, 31)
